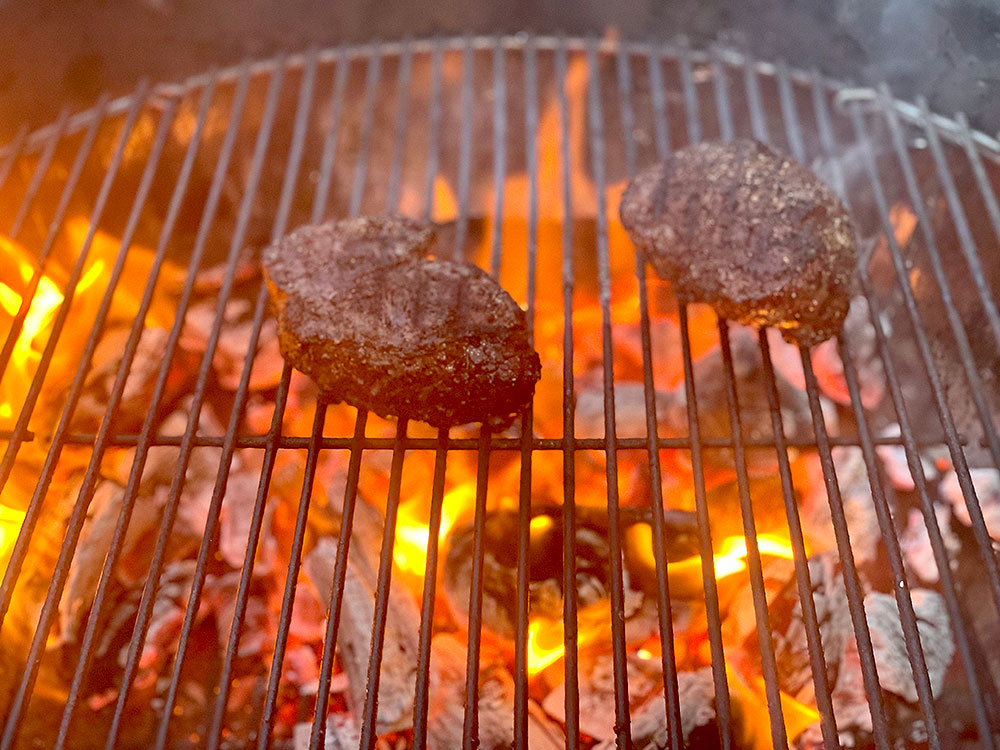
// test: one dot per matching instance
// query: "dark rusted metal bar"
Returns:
(470, 724)
(595, 124)
(668, 661)
(527, 416)
(370, 714)
(568, 443)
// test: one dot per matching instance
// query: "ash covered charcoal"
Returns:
(496, 701)
(987, 485)
(894, 671)
(363, 312)
(750, 231)
(696, 692)
(546, 566)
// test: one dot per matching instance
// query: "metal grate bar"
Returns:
(920, 336)
(855, 595)
(824, 702)
(769, 668)
(372, 73)
(654, 64)
(982, 181)
(292, 577)
(691, 108)
(664, 609)
(330, 142)
(470, 724)
(705, 548)
(465, 148)
(788, 113)
(434, 129)
(720, 87)
(382, 592)
(568, 443)
(403, 97)
(500, 143)
(595, 123)
(758, 121)
(803, 582)
(901, 588)
(421, 699)
(54, 227)
(13, 153)
(293, 164)
(496, 443)
(42, 168)
(527, 417)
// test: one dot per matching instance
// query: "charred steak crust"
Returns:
(750, 231)
(366, 315)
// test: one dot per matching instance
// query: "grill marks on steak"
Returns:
(750, 231)
(366, 315)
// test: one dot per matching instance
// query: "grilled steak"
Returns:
(366, 315)
(751, 232)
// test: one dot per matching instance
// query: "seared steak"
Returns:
(366, 315)
(750, 231)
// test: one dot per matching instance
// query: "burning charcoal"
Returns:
(399, 659)
(750, 231)
(365, 314)
(545, 561)
(915, 543)
(894, 461)
(630, 410)
(597, 693)
(140, 381)
(894, 671)
(791, 644)
(859, 507)
(697, 699)
(496, 701)
(342, 733)
(232, 347)
(713, 410)
(987, 484)
(860, 336)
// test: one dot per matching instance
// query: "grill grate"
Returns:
(267, 146)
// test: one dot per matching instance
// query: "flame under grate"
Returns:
(759, 546)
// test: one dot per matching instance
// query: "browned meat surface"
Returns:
(365, 314)
(749, 231)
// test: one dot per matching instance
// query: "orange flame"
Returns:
(546, 640)
(797, 716)
(730, 560)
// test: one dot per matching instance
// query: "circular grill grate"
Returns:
(145, 213)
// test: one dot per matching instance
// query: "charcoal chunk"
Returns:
(365, 314)
(750, 231)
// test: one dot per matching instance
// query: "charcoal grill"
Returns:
(225, 161)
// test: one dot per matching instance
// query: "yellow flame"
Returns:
(728, 561)
(546, 642)
(413, 530)
(10, 524)
(797, 716)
